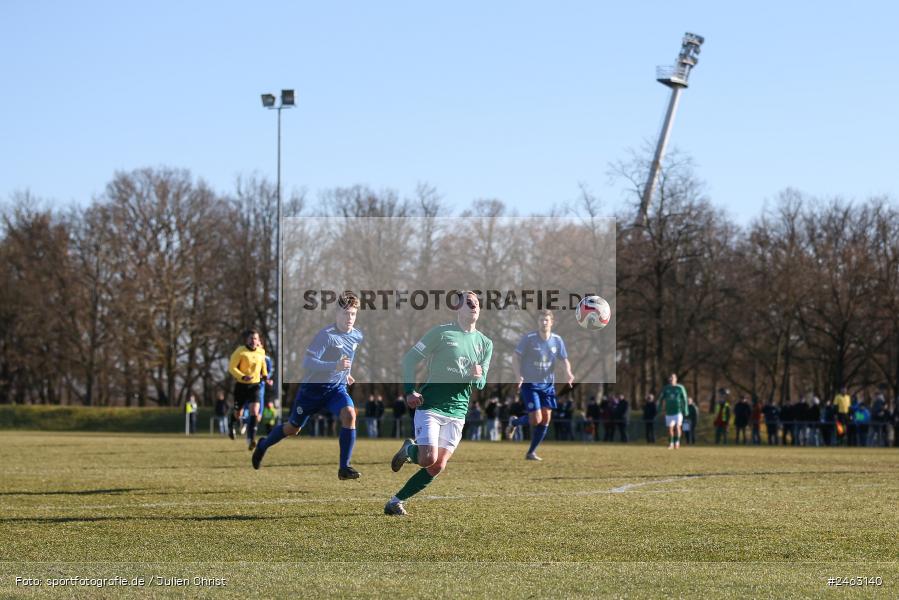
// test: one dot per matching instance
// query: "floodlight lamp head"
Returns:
(287, 98)
(693, 39)
(268, 100)
(690, 48)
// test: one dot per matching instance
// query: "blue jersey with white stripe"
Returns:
(325, 351)
(538, 357)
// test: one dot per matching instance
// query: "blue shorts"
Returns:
(538, 396)
(312, 397)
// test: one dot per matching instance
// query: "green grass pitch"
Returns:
(597, 520)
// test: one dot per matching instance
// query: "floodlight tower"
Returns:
(287, 101)
(676, 78)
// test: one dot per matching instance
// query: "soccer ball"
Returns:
(593, 313)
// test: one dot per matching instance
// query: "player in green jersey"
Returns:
(458, 357)
(674, 399)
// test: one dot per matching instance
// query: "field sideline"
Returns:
(591, 520)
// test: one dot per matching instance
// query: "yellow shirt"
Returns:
(248, 362)
(842, 402)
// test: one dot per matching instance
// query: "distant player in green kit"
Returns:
(458, 357)
(674, 399)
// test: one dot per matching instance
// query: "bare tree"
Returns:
(34, 349)
(669, 291)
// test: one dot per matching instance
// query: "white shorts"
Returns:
(671, 420)
(432, 429)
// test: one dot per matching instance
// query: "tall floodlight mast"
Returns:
(288, 100)
(676, 78)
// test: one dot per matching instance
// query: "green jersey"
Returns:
(674, 397)
(451, 353)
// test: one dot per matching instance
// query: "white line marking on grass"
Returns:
(629, 487)
(392, 563)
(636, 487)
(616, 490)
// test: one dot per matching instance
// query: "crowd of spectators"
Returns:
(845, 420)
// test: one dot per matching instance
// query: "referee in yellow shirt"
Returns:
(842, 402)
(247, 367)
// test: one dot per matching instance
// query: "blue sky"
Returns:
(520, 101)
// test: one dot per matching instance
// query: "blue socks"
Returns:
(251, 428)
(276, 435)
(347, 441)
(537, 436)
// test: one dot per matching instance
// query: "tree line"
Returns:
(139, 297)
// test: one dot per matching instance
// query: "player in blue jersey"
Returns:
(535, 360)
(327, 363)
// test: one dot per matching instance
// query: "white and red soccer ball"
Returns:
(593, 313)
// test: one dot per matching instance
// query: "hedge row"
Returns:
(83, 418)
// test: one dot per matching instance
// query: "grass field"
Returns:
(591, 520)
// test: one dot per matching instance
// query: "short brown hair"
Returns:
(463, 295)
(546, 313)
(348, 300)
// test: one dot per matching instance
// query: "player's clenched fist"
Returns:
(413, 400)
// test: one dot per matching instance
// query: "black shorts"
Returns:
(244, 393)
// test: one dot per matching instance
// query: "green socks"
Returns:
(416, 483)
(412, 451)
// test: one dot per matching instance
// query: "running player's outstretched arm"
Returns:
(312, 361)
(233, 365)
(516, 368)
(410, 365)
(516, 360)
(563, 354)
(569, 376)
(417, 353)
(481, 382)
